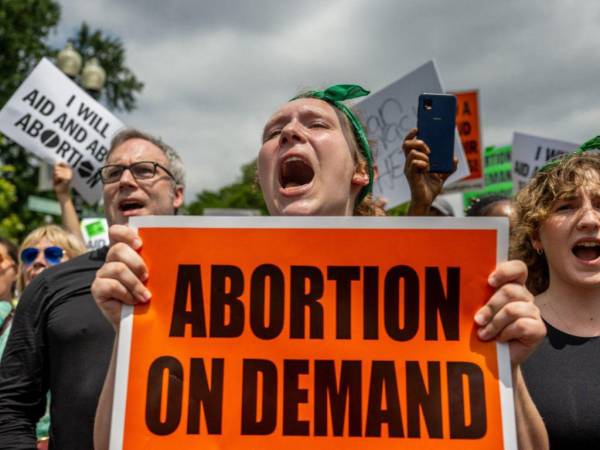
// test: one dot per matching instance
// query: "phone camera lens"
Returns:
(428, 104)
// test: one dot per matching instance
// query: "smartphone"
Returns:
(436, 121)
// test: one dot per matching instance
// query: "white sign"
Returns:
(530, 153)
(390, 114)
(56, 120)
(95, 232)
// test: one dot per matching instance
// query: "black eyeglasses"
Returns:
(53, 255)
(141, 170)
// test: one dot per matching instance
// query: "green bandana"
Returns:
(592, 144)
(335, 95)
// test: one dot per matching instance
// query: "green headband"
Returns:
(592, 144)
(335, 95)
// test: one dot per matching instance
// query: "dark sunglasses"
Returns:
(141, 170)
(53, 255)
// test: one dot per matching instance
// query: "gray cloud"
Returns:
(215, 71)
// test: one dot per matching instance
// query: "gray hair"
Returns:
(175, 162)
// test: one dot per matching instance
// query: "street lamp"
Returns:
(93, 76)
(69, 61)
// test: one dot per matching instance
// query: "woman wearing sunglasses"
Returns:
(45, 247)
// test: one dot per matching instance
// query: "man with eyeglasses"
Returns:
(65, 342)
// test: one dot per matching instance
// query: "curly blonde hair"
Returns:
(56, 235)
(534, 203)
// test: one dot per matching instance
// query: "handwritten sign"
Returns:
(56, 120)
(299, 333)
(390, 114)
(530, 153)
(467, 123)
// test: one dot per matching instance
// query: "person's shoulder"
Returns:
(89, 261)
(65, 278)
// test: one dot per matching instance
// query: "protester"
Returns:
(557, 234)
(62, 175)
(46, 246)
(8, 280)
(39, 240)
(491, 205)
(60, 341)
(424, 185)
(315, 160)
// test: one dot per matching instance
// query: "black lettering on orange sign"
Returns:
(459, 429)
(203, 396)
(383, 389)
(207, 396)
(276, 297)
(226, 287)
(267, 302)
(302, 299)
(442, 304)
(427, 399)
(251, 423)
(189, 281)
(343, 276)
(170, 368)
(371, 302)
(338, 397)
(293, 396)
(409, 279)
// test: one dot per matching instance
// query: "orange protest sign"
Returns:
(325, 333)
(467, 123)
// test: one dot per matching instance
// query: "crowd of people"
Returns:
(315, 160)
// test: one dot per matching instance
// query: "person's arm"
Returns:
(61, 180)
(118, 281)
(424, 186)
(105, 403)
(531, 432)
(511, 316)
(23, 372)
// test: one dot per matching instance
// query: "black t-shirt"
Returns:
(59, 341)
(563, 378)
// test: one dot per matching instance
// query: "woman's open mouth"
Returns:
(295, 174)
(587, 250)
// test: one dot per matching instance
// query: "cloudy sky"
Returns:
(214, 71)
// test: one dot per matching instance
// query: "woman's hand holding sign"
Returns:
(510, 315)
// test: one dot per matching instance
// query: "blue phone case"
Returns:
(436, 123)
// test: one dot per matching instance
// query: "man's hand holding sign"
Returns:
(225, 356)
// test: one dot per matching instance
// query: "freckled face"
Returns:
(570, 238)
(305, 166)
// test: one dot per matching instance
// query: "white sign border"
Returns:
(428, 223)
